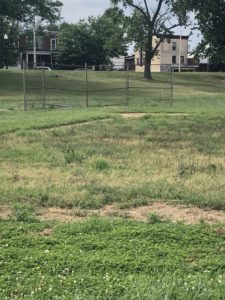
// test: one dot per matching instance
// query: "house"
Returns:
(118, 63)
(46, 49)
(172, 52)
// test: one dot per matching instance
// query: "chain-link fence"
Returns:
(65, 86)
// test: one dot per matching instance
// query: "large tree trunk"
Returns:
(148, 60)
(148, 71)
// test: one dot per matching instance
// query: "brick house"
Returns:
(46, 49)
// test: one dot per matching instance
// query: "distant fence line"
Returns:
(87, 86)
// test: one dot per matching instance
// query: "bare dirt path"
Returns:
(188, 215)
(139, 115)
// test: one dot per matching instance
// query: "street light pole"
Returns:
(6, 50)
(34, 42)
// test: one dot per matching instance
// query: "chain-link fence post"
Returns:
(43, 86)
(86, 79)
(172, 91)
(24, 85)
(127, 84)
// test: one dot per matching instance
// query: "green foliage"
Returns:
(211, 23)
(24, 213)
(148, 21)
(94, 41)
(101, 164)
(72, 155)
(25, 10)
(12, 13)
(153, 218)
(111, 259)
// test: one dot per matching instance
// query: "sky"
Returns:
(74, 10)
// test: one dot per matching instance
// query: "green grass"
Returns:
(178, 159)
(111, 259)
(18, 120)
(87, 159)
(193, 92)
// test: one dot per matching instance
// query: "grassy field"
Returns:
(87, 160)
(130, 162)
(192, 92)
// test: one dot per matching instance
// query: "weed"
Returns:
(24, 214)
(82, 213)
(211, 168)
(101, 165)
(154, 218)
(73, 156)
(185, 170)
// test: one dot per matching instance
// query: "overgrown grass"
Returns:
(129, 162)
(111, 259)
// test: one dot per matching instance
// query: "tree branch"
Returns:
(160, 18)
(157, 46)
(147, 10)
(130, 3)
(157, 11)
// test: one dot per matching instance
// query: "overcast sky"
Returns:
(74, 10)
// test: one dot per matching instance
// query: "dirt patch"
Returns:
(188, 215)
(46, 232)
(139, 115)
(5, 213)
(132, 115)
(58, 214)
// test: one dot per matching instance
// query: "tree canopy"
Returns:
(94, 41)
(210, 16)
(12, 13)
(25, 10)
(150, 19)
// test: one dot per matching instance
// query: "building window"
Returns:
(138, 61)
(174, 46)
(182, 60)
(53, 44)
(174, 59)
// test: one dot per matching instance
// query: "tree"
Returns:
(12, 13)
(157, 19)
(110, 27)
(94, 41)
(25, 10)
(210, 16)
